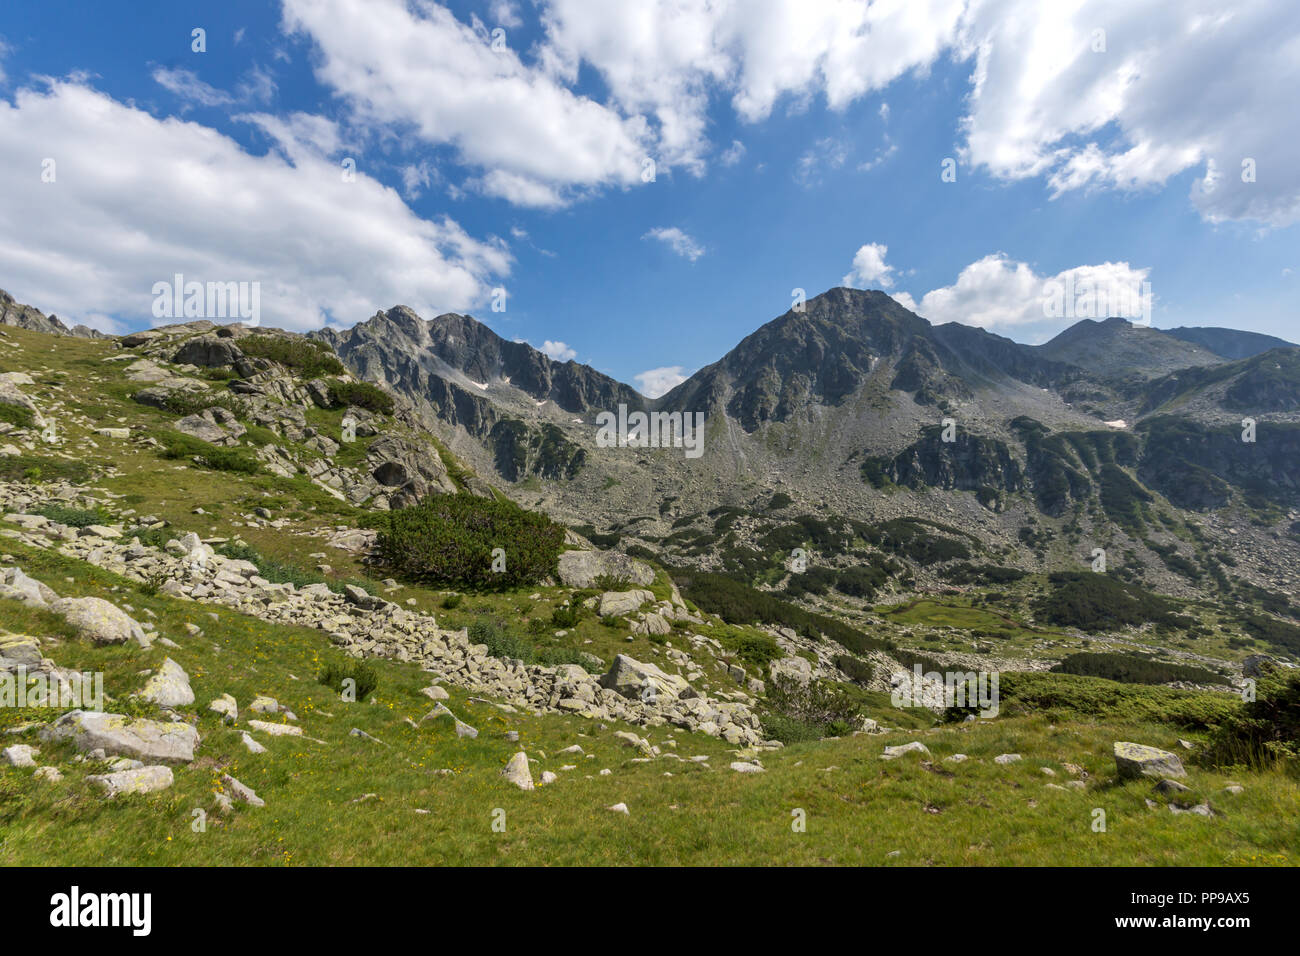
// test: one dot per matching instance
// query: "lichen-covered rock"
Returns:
(633, 679)
(141, 780)
(517, 772)
(100, 622)
(1137, 760)
(580, 569)
(118, 734)
(169, 687)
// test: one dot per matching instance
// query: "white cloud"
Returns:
(137, 199)
(680, 243)
(187, 85)
(417, 70)
(666, 57)
(558, 351)
(869, 268)
(1005, 296)
(826, 154)
(505, 14)
(659, 381)
(1177, 86)
(732, 154)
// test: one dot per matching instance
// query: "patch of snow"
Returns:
(1117, 423)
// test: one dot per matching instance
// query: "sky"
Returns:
(638, 186)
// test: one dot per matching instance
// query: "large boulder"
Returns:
(1137, 760)
(100, 622)
(209, 351)
(19, 650)
(633, 679)
(18, 586)
(169, 687)
(619, 603)
(580, 569)
(123, 736)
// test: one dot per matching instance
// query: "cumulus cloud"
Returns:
(678, 241)
(869, 268)
(1008, 297)
(1100, 95)
(660, 381)
(558, 351)
(1090, 94)
(416, 69)
(136, 199)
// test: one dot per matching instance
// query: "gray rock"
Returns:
(169, 688)
(118, 734)
(20, 755)
(100, 622)
(619, 603)
(891, 753)
(635, 680)
(517, 771)
(142, 780)
(1137, 760)
(241, 792)
(580, 569)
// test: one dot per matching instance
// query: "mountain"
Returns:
(17, 315)
(508, 397)
(1116, 348)
(1230, 343)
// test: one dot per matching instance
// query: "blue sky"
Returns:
(796, 145)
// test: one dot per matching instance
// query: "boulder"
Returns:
(517, 772)
(1137, 760)
(19, 650)
(208, 351)
(619, 603)
(142, 780)
(100, 622)
(118, 734)
(441, 713)
(891, 753)
(633, 679)
(19, 587)
(241, 792)
(580, 569)
(20, 755)
(169, 687)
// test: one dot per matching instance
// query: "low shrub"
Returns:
(355, 679)
(449, 541)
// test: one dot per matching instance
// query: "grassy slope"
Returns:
(859, 811)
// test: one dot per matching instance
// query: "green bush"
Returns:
(364, 677)
(1095, 602)
(39, 468)
(448, 541)
(178, 446)
(1071, 697)
(1265, 730)
(858, 670)
(309, 358)
(75, 517)
(815, 706)
(1131, 669)
(362, 395)
(17, 415)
